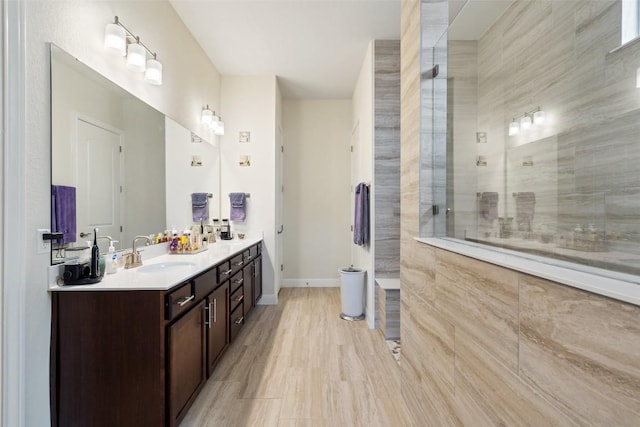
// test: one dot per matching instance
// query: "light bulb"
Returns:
(525, 122)
(136, 57)
(514, 128)
(215, 120)
(153, 73)
(115, 39)
(538, 117)
(220, 129)
(206, 116)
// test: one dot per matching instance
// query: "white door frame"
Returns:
(13, 212)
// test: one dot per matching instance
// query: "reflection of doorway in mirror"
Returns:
(99, 167)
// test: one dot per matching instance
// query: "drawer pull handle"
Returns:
(207, 309)
(182, 301)
(239, 263)
(237, 282)
(228, 272)
(237, 322)
(215, 310)
(249, 258)
(240, 298)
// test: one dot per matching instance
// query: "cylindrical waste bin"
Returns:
(352, 293)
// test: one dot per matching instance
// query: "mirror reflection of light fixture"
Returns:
(220, 129)
(526, 120)
(514, 128)
(116, 38)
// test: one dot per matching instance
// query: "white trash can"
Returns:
(352, 293)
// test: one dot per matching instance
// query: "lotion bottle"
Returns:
(112, 259)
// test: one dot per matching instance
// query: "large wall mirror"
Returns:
(118, 164)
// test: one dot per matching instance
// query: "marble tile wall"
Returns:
(387, 157)
(483, 345)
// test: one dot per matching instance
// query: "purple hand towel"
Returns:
(200, 206)
(63, 212)
(238, 202)
(361, 219)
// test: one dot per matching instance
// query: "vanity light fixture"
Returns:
(220, 129)
(526, 121)
(121, 40)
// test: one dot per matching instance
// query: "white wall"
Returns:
(250, 104)
(316, 197)
(362, 169)
(190, 81)
(182, 179)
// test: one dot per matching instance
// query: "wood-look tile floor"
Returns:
(299, 364)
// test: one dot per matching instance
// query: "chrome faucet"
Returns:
(134, 259)
(109, 238)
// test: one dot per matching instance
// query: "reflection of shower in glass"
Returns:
(526, 121)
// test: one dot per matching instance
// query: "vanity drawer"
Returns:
(206, 283)
(237, 262)
(255, 250)
(236, 281)
(236, 298)
(236, 321)
(224, 271)
(180, 300)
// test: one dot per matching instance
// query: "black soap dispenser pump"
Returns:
(95, 257)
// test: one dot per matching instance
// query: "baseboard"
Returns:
(310, 283)
(268, 299)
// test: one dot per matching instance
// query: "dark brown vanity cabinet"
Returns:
(257, 279)
(140, 357)
(217, 325)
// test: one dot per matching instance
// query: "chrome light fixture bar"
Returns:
(123, 42)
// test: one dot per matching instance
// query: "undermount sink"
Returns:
(162, 267)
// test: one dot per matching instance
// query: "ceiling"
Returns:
(315, 47)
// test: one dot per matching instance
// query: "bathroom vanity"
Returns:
(135, 349)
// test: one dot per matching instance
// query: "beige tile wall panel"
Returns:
(581, 351)
(489, 391)
(482, 300)
(417, 271)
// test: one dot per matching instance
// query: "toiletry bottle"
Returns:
(112, 259)
(95, 257)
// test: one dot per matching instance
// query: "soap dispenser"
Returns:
(112, 259)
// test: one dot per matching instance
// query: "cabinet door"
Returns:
(218, 325)
(186, 361)
(257, 280)
(248, 288)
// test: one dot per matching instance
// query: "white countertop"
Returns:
(135, 279)
(389, 284)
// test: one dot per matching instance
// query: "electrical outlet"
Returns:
(44, 246)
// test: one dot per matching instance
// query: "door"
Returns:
(257, 279)
(186, 361)
(218, 325)
(249, 300)
(98, 177)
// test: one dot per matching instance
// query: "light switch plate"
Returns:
(44, 246)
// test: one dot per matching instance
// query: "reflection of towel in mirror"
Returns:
(238, 202)
(361, 219)
(489, 205)
(200, 206)
(63, 212)
(525, 207)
